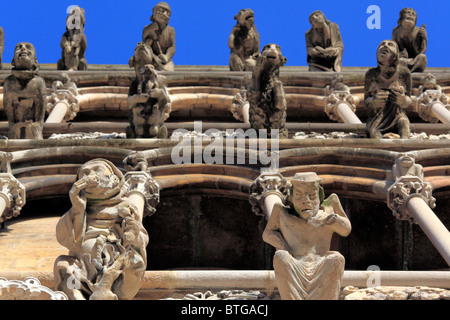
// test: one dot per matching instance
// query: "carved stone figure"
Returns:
(265, 94)
(160, 37)
(324, 45)
(304, 266)
(73, 42)
(405, 165)
(25, 96)
(387, 91)
(148, 98)
(104, 234)
(411, 40)
(2, 45)
(244, 42)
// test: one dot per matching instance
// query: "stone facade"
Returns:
(208, 202)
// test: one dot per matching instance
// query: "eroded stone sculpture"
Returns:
(244, 42)
(104, 234)
(74, 42)
(148, 99)
(160, 37)
(387, 91)
(305, 268)
(266, 97)
(411, 40)
(25, 96)
(324, 45)
(2, 45)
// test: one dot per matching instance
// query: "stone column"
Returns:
(340, 104)
(12, 192)
(432, 104)
(410, 199)
(143, 192)
(62, 105)
(267, 190)
(143, 189)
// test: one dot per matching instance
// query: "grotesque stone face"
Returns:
(161, 13)
(100, 180)
(317, 18)
(148, 71)
(246, 18)
(408, 17)
(24, 56)
(143, 55)
(387, 53)
(273, 55)
(306, 199)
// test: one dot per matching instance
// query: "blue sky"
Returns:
(202, 27)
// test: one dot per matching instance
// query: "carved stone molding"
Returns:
(12, 192)
(404, 189)
(29, 289)
(227, 295)
(267, 184)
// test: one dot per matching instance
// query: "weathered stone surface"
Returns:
(148, 99)
(266, 94)
(412, 41)
(74, 42)
(304, 266)
(244, 42)
(324, 44)
(104, 234)
(25, 96)
(394, 293)
(387, 93)
(160, 37)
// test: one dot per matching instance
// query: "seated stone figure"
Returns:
(73, 42)
(305, 268)
(266, 97)
(387, 91)
(411, 41)
(104, 234)
(324, 45)
(25, 95)
(243, 42)
(161, 37)
(148, 100)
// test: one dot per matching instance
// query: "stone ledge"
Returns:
(177, 283)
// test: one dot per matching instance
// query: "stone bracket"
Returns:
(267, 184)
(334, 99)
(404, 189)
(68, 98)
(425, 103)
(13, 193)
(143, 183)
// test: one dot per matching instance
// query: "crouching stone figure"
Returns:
(104, 234)
(304, 266)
